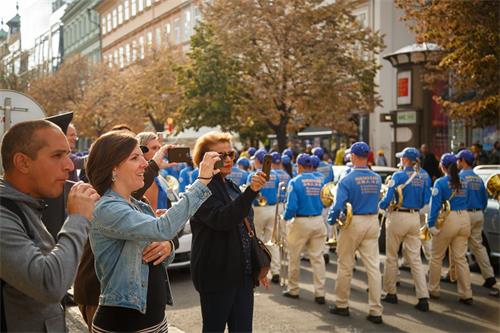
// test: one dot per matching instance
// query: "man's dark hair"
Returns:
(23, 138)
(106, 153)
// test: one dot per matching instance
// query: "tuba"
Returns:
(327, 194)
(493, 186)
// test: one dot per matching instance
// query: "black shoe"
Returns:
(275, 278)
(466, 301)
(68, 301)
(390, 298)
(422, 305)
(489, 282)
(320, 300)
(375, 319)
(287, 294)
(344, 312)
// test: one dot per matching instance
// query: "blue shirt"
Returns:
(173, 170)
(442, 192)
(361, 188)
(303, 196)
(319, 175)
(270, 189)
(162, 200)
(414, 194)
(327, 171)
(477, 197)
(194, 175)
(185, 178)
(283, 177)
(238, 176)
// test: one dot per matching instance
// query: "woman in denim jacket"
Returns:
(134, 292)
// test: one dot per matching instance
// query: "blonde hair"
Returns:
(206, 140)
(145, 137)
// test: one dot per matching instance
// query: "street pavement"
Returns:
(275, 313)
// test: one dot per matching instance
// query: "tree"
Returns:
(467, 33)
(281, 63)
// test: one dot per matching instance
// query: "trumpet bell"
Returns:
(327, 194)
(345, 220)
(493, 186)
(425, 233)
(261, 200)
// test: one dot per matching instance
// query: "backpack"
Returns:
(14, 208)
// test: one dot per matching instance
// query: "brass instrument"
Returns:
(278, 236)
(171, 184)
(345, 220)
(261, 200)
(493, 186)
(327, 194)
(445, 210)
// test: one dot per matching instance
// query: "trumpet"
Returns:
(278, 237)
(261, 200)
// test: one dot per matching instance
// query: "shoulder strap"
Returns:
(452, 195)
(410, 179)
(249, 228)
(14, 208)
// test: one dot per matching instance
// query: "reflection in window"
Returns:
(141, 5)
(126, 10)
(115, 18)
(133, 7)
(120, 14)
(109, 22)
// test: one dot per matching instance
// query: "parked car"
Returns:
(182, 257)
(491, 227)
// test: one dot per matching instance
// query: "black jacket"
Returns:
(216, 249)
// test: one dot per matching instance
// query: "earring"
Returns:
(113, 177)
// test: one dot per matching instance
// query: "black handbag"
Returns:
(261, 257)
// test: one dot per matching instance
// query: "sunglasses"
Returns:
(231, 154)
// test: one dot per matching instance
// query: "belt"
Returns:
(298, 215)
(406, 210)
(474, 210)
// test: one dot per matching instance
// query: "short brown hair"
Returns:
(23, 138)
(211, 138)
(108, 151)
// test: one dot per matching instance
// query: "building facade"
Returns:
(81, 30)
(11, 54)
(129, 28)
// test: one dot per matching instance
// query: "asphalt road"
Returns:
(275, 313)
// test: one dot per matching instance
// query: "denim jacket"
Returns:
(120, 232)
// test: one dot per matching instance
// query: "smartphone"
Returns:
(266, 165)
(178, 154)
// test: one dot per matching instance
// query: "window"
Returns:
(140, 5)
(148, 3)
(103, 26)
(110, 60)
(122, 63)
(150, 38)
(158, 37)
(134, 51)
(120, 14)
(196, 14)
(177, 30)
(109, 22)
(115, 18)
(116, 57)
(167, 28)
(126, 10)
(141, 47)
(187, 24)
(133, 7)
(127, 54)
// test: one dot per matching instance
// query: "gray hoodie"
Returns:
(38, 271)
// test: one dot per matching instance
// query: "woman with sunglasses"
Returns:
(455, 231)
(133, 290)
(221, 263)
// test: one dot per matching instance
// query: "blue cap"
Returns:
(276, 157)
(409, 152)
(285, 159)
(288, 152)
(466, 155)
(259, 155)
(245, 162)
(304, 159)
(315, 161)
(318, 151)
(251, 151)
(448, 159)
(360, 149)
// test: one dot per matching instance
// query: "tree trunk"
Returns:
(158, 125)
(281, 133)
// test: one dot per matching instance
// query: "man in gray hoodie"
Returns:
(35, 271)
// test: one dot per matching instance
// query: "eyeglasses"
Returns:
(231, 154)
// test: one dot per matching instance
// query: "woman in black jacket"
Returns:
(221, 263)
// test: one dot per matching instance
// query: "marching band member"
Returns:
(265, 211)
(307, 228)
(238, 175)
(315, 161)
(324, 167)
(477, 199)
(453, 233)
(403, 226)
(361, 188)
